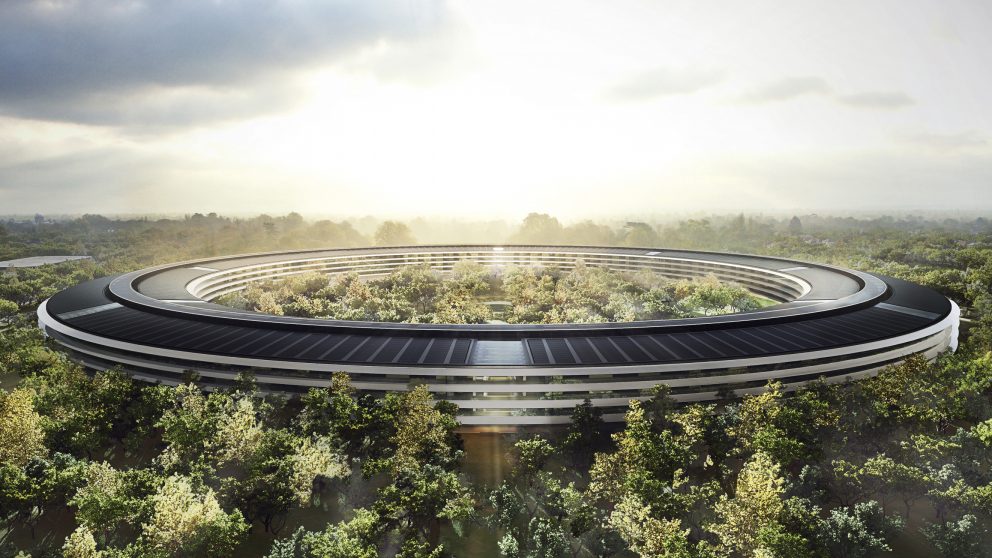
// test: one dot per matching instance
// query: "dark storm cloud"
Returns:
(78, 60)
(662, 82)
(160, 110)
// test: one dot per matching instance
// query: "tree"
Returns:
(547, 540)
(508, 507)
(348, 539)
(111, 498)
(416, 548)
(418, 499)
(424, 490)
(639, 234)
(332, 411)
(538, 228)
(540, 537)
(648, 464)
(375, 428)
(532, 455)
(857, 531)
(8, 310)
(424, 434)
(418, 294)
(188, 426)
(646, 535)
(756, 427)
(82, 413)
(909, 482)
(187, 522)
(21, 435)
(581, 514)
(660, 407)
(964, 537)
(267, 483)
(315, 459)
(81, 544)
(585, 434)
(26, 493)
(239, 434)
(394, 233)
(774, 541)
(588, 233)
(910, 391)
(755, 506)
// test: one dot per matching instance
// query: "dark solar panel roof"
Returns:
(92, 308)
(84, 295)
(138, 326)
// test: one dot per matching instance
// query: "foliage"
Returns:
(187, 522)
(754, 508)
(826, 471)
(964, 537)
(394, 233)
(419, 294)
(22, 437)
(858, 531)
(647, 535)
(351, 539)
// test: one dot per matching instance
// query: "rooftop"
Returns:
(38, 261)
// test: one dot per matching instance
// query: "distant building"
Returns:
(38, 261)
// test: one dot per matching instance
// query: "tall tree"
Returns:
(755, 506)
(394, 233)
(538, 228)
(21, 435)
(188, 522)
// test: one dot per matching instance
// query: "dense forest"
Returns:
(472, 294)
(96, 465)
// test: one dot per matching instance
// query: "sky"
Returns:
(494, 108)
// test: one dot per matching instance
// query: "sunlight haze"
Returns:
(494, 108)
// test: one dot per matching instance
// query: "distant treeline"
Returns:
(148, 241)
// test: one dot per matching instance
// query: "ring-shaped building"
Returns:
(828, 323)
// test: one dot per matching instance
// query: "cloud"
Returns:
(164, 109)
(83, 60)
(889, 180)
(428, 60)
(876, 100)
(966, 140)
(788, 88)
(74, 181)
(662, 82)
(792, 87)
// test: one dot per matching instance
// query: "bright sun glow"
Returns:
(500, 108)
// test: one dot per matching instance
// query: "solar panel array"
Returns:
(127, 324)
(732, 341)
(861, 326)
